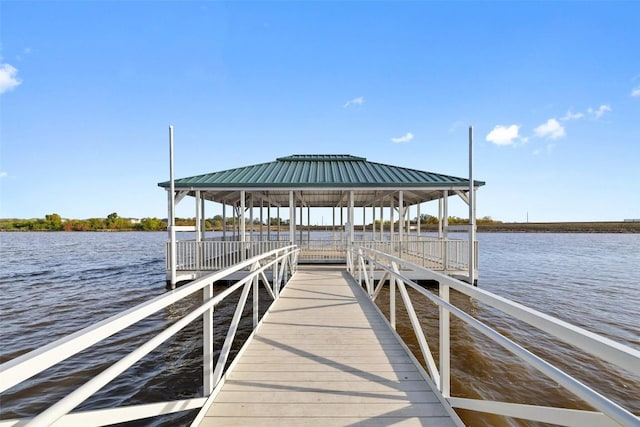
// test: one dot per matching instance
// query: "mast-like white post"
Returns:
(172, 214)
(472, 213)
(445, 230)
(401, 229)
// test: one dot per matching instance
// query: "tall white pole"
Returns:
(472, 213)
(401, 229)
(172, 213)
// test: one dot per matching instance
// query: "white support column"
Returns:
(172, 215)
(251, 228)
(269, 221)
(351, 218)
(224, 221)
(292, 219)
(198, 224)
(401, 223)
(309, 226)
(243, 225)
(278, 222)
(373, 222)
(472, 213)
(419, 222)
(382, 220)
(445, 214)
(301, 223)
(391, 217)
(333, 226)
(172, 240)
(203, 226)
(234, 223)
(261, 220)
(342, 224)
(445, 233)
(440, 219)
(364, 221)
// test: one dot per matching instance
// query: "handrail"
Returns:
(608, 350)
(15, 371)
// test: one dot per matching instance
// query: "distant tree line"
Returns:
(113, 222)
(54, 222)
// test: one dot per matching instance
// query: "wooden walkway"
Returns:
(323, 356)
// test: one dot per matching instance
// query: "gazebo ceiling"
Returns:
(321, 181)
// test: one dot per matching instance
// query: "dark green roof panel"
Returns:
(320, 170)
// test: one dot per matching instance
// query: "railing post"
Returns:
(371, 283)
(207, 343)
(255, 297)
(445, 255)
(392, 298)
(445, 342)
(359, 264)
(274, 278)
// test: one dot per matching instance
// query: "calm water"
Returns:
(53, 284)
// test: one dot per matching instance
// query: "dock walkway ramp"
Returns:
(324, 356)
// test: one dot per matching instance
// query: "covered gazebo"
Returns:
(357, 191)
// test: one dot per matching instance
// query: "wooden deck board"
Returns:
(323, 356)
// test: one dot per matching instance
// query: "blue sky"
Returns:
(88, 89)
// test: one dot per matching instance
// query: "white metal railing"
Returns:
(361, 263)
(433, 253)
(210, 255)
(281, 261)
(322, 250)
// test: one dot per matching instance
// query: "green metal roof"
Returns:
(322, 171)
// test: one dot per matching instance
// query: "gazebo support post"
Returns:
(243, 224)
(292, 219)
(351, 219)
(198, 230)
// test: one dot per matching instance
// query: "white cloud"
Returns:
(3, 174)
(600, 111)
(635, 91)
(355, 101)
(551, 129)
(571, 116)
(8, 77)
(503, 135)
(406, 138)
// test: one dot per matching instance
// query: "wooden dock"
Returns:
(324, 356)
